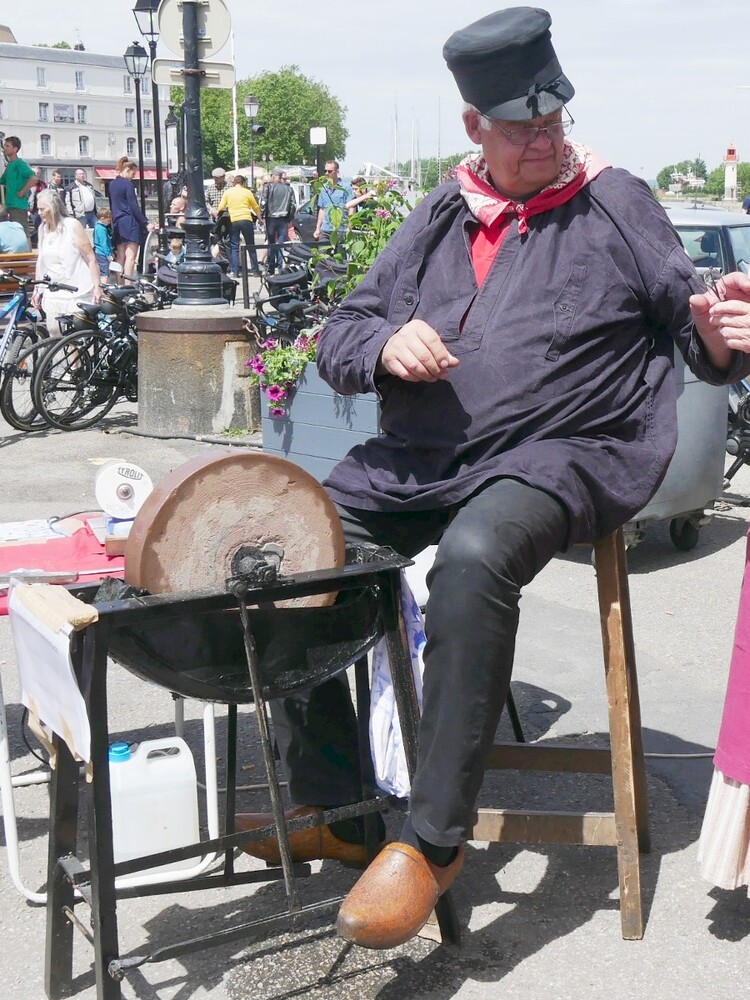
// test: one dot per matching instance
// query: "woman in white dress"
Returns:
(65, 254)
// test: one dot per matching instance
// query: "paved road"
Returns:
(541, 923)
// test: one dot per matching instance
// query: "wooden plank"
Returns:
(619, 664)
(534, 757)
(530, 827)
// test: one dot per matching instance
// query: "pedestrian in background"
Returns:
(81, 200)
(13, 238)
(103, 246)
(277, 206)
(334, 194)
(129, 224)
(243, 211)
(66, 255)
(216, 190)
(18, 179)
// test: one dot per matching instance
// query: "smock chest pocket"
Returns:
(564, 311)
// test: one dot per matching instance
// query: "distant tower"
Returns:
(730, 173)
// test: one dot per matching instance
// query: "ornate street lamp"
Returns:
(136, 63)
(199, 279)
(175, 150)
(145, 13)
(251, 107)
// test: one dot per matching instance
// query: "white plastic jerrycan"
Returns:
(154, 800)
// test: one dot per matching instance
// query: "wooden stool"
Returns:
(627, 827)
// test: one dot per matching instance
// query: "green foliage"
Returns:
(57, 45)
(685, 167)
(277, 366)
(428, 169)
(369, 231)
(715, 182)
(290, 105)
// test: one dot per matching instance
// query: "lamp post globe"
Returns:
(136, 63)
(146, 13)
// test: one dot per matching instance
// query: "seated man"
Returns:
(519, 328)
(13, 238)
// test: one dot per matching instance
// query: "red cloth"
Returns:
(733, 749)
(75, 553)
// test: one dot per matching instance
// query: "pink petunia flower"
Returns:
(382, 213)
(275, 392)
(256, 364)
(277, 411)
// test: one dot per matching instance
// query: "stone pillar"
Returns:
(191, 371)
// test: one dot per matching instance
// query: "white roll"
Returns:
(121, 488)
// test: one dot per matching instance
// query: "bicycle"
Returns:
(79, 380)
(24, 338)
(96, 362)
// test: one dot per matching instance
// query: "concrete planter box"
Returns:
(321, 425)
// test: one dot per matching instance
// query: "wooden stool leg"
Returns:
(628, 770)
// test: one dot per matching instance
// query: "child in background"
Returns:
(176, 253)
(103, 249)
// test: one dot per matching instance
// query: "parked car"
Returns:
(712, 237)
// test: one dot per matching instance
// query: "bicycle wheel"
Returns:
(16, 398)
(76, 382)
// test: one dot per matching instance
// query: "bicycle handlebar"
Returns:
(46, 280)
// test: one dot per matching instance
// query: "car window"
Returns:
(703, 246)
(739, 237)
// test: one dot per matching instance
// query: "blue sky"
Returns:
(656, 80)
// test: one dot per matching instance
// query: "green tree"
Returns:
(290, 105)
(57, 45)
(715, 182)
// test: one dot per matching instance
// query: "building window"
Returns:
(43, 111)
(83, 145)
(146, 86)
(147, 119)
(129, 117)
(149, 148)
(130, 147)
(82, 114)
(45, 147)
(2, 111)
(127, 84)
(79, 79)
(63, 113)
(41, 76)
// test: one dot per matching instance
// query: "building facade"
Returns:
(72, 108)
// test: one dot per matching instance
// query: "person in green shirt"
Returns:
(18, 178)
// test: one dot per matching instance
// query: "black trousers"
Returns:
(489, 547)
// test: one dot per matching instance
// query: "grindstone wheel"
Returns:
(190, 528)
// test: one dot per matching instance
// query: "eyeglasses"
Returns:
(524, 136)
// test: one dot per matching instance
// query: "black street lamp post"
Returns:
(145, 13)
(199, 278)
(251, 107)
(136, 63)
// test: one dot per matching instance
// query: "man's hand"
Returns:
(722, 317)
(415, 353)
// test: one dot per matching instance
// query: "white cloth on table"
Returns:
(386, 743)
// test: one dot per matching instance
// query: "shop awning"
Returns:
(109, 174)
